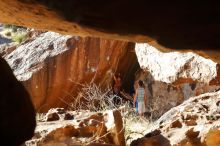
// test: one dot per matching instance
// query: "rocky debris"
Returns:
(195, 123)
(95, 129)
(176, 124)
(58, 114)
(175, 67)
(157, 140)
(17, 112)
(39, 64)
(53, 117)
(68, 116)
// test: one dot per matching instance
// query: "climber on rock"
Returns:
(117, 82)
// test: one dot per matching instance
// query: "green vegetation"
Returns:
(19, 37)
(8, 33)
(14, 28)
(17, 34)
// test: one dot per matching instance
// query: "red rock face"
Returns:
(54, 80)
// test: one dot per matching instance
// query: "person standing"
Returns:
(140, 97)
(117, 88)
(135, 88)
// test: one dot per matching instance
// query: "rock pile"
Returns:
(193, 123)
(83, 128)
(58, 114)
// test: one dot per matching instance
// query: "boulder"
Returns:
(54, 67)
(171, 78)
(213, 137)
(157, 140)
(53, 117)
(68, 116)
(175, 67)
(61, 134)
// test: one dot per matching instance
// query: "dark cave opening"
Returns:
(128, 78)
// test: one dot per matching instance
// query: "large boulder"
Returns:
(171, 78)
(17, 122)
(175, 66)
(53, 67)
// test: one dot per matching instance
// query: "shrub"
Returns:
(19, 37)
(8, 33)
(92, 97)
(14, 28)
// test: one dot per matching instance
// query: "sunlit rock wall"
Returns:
(52, 66)
(171, 78)
(174, 66)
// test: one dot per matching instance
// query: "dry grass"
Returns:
(135, 126)
(155, 107)
(40, 117)
(92, 97)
